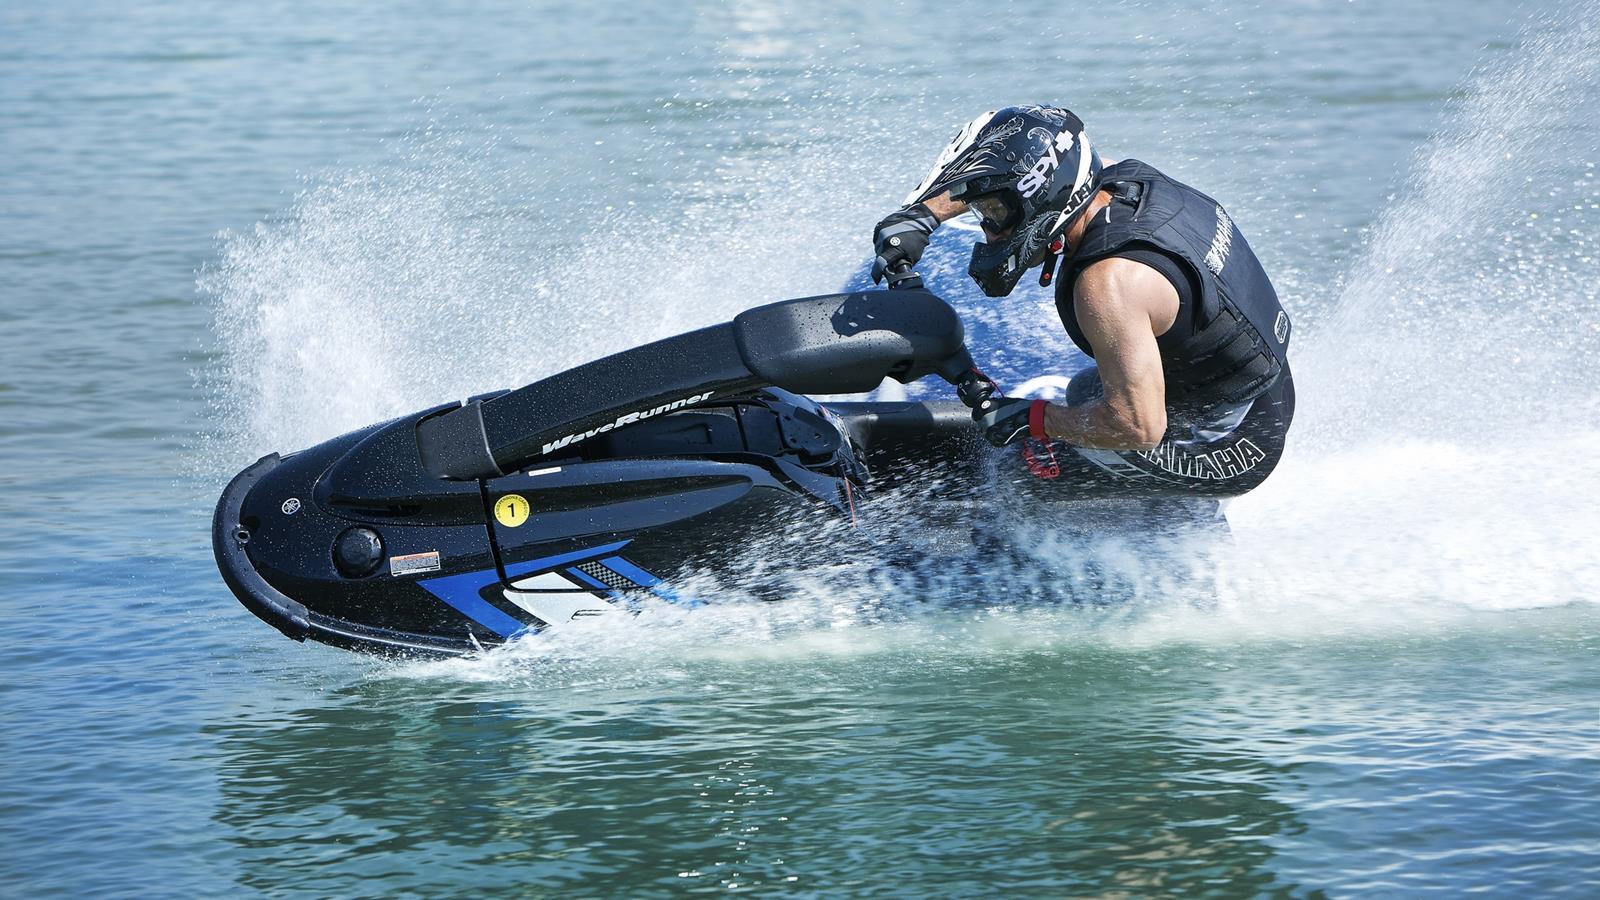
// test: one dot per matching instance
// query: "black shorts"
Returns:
(1182, 465)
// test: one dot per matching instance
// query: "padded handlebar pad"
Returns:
(835, 344)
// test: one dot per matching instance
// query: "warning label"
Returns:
(511, 510)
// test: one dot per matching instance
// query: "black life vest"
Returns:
(1238, 340)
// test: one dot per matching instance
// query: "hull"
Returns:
(470, 524)
(410, 565)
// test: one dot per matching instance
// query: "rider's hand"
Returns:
(901, 237)
(1005, 419)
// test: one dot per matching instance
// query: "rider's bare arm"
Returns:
(943, 208)
(1122, 306)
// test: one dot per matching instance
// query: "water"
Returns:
(1388, 686)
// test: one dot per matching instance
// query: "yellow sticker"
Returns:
(511, 510)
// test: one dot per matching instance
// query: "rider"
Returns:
(1191, 381)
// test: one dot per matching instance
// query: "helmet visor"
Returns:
(998, 212)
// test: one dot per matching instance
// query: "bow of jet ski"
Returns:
(468, 524)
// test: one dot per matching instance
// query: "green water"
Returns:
(1387, 685)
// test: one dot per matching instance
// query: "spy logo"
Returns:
(1280, 328)
(290, 506)
(511, 510)
(1038, 176)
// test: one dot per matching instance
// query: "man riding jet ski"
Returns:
(1191, 386)
(471, 523)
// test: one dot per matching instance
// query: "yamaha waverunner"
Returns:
(469, 524)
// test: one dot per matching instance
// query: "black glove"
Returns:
(901, 237)
(1005, 419)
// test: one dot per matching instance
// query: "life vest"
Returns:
(1238, 339)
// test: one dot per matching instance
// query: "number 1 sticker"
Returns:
(511, 510)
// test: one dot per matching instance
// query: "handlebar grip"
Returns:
(901, 277)
(975, 388)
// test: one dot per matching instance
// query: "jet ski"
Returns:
(472, 523)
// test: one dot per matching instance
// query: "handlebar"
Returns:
(901, 277)
(973, 387)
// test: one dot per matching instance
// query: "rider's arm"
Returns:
(1122, 305)
(900, 238)
(943, 208)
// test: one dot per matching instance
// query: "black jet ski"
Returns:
(469, 524)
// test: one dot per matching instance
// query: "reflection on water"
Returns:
(1003, 771)
(960, 754)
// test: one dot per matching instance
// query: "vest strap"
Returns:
(1126, 191)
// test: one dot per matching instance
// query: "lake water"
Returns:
(231, 230)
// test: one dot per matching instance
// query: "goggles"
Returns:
(998, 211)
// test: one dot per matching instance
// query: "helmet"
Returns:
(1027, 171)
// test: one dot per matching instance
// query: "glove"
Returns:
(1005, 419)
(901, 237)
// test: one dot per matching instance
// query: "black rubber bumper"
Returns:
(228, 540)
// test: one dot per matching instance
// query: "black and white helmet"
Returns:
(1028, 172)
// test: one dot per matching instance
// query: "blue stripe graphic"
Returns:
(644, 579)
(630, 571)
(550, 562)
(464, 592)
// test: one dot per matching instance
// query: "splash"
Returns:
(1474, 311)
(1446, 450)
(346, 309)
(1447, 445)
(454, 270)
